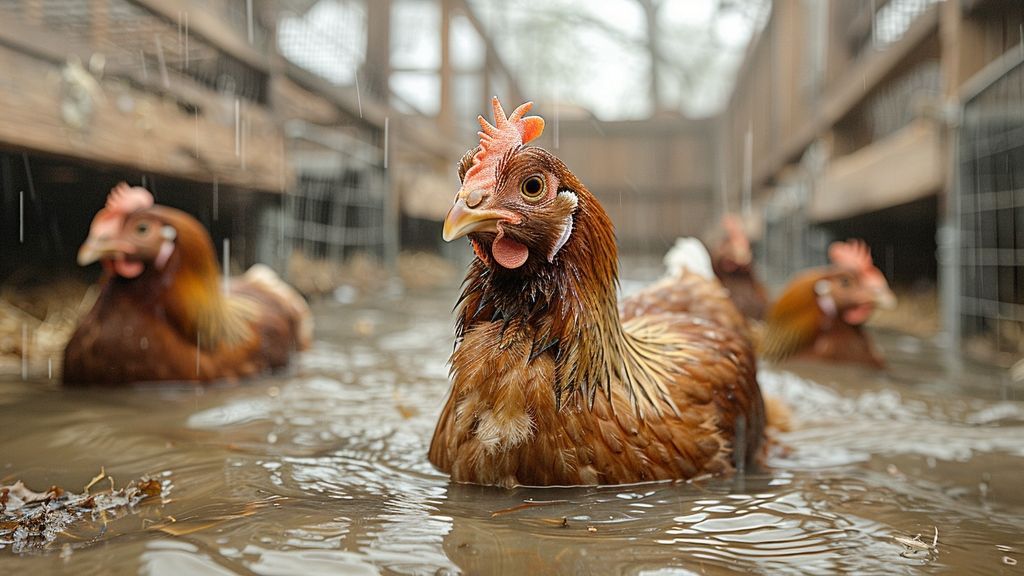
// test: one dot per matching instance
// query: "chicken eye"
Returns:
(533, 188)
(142, 228)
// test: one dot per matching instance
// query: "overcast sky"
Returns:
(608, 76)
(597, 63)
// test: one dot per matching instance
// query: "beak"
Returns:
(462, 220)
(98, 248)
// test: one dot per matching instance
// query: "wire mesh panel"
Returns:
(990, 207)
(791, 242)
(333, 216)
(133, 38)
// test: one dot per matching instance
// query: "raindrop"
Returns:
(238, 129)
(557, 114)
(359, 96)
(24, 351)
(748, 169)
(163, 64)
(196, 117)
(186, 40)
(387, 120)
(198, 346)
(226, 265)
(249, 21)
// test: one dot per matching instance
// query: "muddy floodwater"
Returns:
(323, 470)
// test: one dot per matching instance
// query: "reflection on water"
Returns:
(323, 471)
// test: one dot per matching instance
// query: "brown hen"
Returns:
(821, 313)
(733, 263)
(549, 385)
(164, 311)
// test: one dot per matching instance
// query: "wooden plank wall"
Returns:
(136, 129)
(771, 99)
(655, 178)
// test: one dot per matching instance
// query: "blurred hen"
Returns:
(165, 313)
(821, 313)
(733, 263)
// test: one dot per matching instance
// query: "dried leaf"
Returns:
(151, 488)
(95, 479)
(36, 519)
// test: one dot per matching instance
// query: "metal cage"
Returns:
(989, 207)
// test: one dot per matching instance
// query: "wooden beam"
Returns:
(210, 27)
(376, 70)
(37, 42)
(863, 23)
(405, 130)
(905, 166)
(117, 125)
(864, 77)
(291, 101)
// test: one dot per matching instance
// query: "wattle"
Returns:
(128, 268)
(508, 252)
(859, 314)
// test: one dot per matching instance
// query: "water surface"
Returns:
(323, 470)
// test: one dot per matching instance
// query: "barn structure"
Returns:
(329, 128)
(282, 125)
(898, 121)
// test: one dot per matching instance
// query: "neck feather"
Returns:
(190, 289)
(569, 309)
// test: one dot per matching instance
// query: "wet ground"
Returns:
(324, 471)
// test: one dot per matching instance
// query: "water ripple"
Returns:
(323, 469)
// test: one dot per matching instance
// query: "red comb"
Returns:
(856, 256)
(734, 230)
(496, 141)
(124, 199)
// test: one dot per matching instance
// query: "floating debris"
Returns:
(33, 520)
(36, 322)
(526, 505)
(915, 546)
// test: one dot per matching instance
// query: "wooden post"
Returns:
(445, 116)
(961, 58)
(100, 23)
(33, 10)
(392, 223)
(376, 70)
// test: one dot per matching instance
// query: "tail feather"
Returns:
(263, 276)
(689, 255)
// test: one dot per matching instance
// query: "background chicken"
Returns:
(821, 313)
(689, 287)
(549, 386)
(164, 312)
(733, 263)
